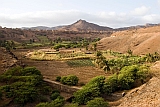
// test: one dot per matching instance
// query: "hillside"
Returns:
(25, 35)
(146, 95)
(82, 25)
(140, 41)
(7, 60)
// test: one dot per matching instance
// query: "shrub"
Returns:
(58, 78)
(84, 95)
(143, 73)
(58, 102)
(16, 71)
(71, 105)
(97, 102)
(96, 81)
(70, 80)
(54, 95)
(111, 84)
(127, 76)
(42, 105)
(23, 92)
(22, 84)
(30, 71)
(89, 91)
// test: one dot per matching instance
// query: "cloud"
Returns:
(65, 17)
(140, 11)
(158, 2)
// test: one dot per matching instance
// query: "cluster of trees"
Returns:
(7, 44)
(71, 80)
(91, 93)
(25, 85)
(121, 60)
(74, 44)
(57, 100)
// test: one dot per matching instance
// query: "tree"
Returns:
(91, 90)
(69, 80)
(97, 102)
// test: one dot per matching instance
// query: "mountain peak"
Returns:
(81, 20)
(83, 25)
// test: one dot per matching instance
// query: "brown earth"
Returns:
(82, 25)
(140, 41)
(6, 60)
(25, 35)
(146, 95)
(52, 69)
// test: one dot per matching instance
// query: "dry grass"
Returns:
(141, 41)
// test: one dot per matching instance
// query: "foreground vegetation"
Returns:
(20, 86)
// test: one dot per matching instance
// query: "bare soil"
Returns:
(52, 69)
(140, 41)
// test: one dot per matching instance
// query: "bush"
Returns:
(91, 90)
(84, 95)
(142, 73)
(70, 80)
(111, 84)
(23, 93)
(58, 78)
(30, 71)
(97, 82)
(97, 102)
(23, 85)
(54, 95)
(59, 102)
(127, 76)
(71, 105)
(42, 105)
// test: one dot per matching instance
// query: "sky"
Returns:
(51, 13)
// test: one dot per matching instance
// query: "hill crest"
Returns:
(82, 25)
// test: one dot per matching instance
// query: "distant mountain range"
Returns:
(82, 25)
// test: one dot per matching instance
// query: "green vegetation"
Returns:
(43, 39)
(118, 60)
(127, 78)
(91, 90)
(25, 85)
(71, 105)
(58, 102)
(80, 63)
(7, 44)
(124, 80)
(97, 102)
(71, 80)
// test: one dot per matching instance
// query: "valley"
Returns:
(119, 66)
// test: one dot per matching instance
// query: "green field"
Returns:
(80, 63)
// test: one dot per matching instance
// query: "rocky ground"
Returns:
(7, 60)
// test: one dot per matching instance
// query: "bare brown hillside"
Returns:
(83, 25)
(6, 60)
(140, 41)
(26, 35)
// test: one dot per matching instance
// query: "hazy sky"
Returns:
(111, 13)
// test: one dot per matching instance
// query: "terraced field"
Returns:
(52, 69)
